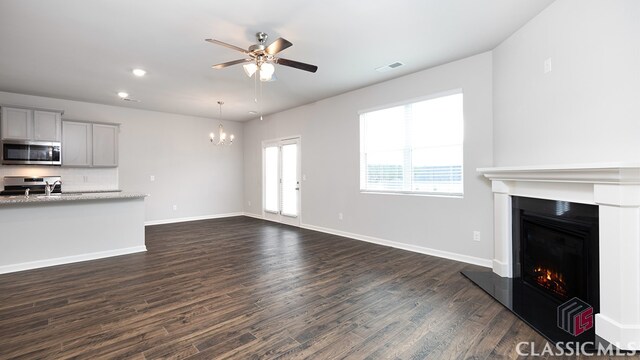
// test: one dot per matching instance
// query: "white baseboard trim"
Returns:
(501, 268)
(413, 248)
(193, 218)
(625, 337)
(70, 259)
(255, 216)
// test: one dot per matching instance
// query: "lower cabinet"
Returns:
(87, 144)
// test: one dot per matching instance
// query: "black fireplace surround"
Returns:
(555, 248)
(555, 259)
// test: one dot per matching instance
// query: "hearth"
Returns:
(555, 259)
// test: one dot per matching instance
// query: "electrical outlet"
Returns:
(85, 178)
(249, 203)
(476, 236)
(152, 178)
(175, 207)
(340, 216)
(304, 177)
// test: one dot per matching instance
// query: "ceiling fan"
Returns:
(261, 58)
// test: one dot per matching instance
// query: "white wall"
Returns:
(330, 160)
(587, 109)
(190, 172)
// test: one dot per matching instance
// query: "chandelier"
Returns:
(222, 136)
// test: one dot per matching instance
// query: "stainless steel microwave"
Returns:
(18, 152)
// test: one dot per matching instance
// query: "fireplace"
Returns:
(601, 203)
(555, 248)
(555, 260)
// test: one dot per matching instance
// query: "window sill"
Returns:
(409, 193)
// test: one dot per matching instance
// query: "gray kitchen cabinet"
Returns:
(87, 144)
(17, 124)
(105, 145)
(30, 124)
(47, 126)
(76, 144)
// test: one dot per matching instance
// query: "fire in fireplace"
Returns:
(551, 280)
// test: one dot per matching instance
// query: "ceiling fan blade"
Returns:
(296, 64)
(277, 46)
(229, 63)
(218, 42)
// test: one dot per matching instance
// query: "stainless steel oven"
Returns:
(17, 152)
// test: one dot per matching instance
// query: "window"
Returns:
(413, 148)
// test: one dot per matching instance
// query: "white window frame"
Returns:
(363, 173)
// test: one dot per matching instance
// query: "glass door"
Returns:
(281, 181)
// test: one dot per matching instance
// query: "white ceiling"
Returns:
(85, 49)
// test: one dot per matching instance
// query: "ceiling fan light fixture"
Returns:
(266, 71)
(250, 69)
(139, 72)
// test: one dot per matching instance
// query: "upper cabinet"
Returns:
(76, 144)
(47, 126)
(87, 144)
(105, 145)
(30, 124)
(16, 123)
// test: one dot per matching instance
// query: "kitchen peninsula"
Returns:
(39, 231)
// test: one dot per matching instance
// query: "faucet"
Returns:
(48, 189)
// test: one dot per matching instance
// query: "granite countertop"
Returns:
(90, 191)
(20, 199)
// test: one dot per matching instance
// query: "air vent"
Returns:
(391, 66)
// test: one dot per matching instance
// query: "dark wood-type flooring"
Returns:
(245, 288)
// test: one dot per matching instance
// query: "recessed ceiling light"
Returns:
(139, 72)
(123, 94)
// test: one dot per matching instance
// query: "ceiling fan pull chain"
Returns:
(261, 100)
(255, 89)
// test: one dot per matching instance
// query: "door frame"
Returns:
(270, 215)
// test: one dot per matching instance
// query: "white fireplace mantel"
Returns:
(615, 189)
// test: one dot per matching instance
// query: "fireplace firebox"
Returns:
(555, 248)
